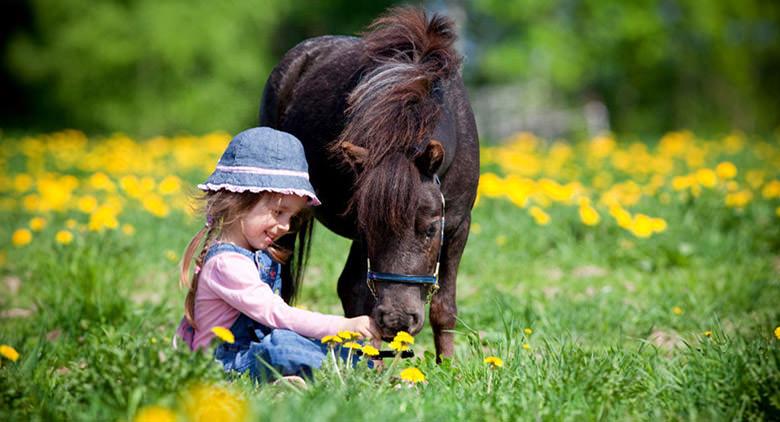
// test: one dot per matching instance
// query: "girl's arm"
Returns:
(234, 278)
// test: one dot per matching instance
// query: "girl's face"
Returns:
(267, 221)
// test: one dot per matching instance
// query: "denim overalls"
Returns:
(257, 346)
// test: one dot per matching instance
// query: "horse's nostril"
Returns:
(413, 318)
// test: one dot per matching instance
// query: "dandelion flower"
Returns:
(71, 223)
(128, 229)
(349, 335)
(707, 333)
(370, 350)
(21, 237)
(331, 340)
(9, 352)
(588, 215)
(777, 332)
(494, 361)
(63, 237)
(224, 334)
(204, 403)
(528, 331)
(501, 240)
(412, 375)
(398, 346)
(526, 346)
(352, 345)
(726, 170)
(171, 255)
(541, 217)
(404, 337)
(677, 310)
(155, 414)
(37, 223)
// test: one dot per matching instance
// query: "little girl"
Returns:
(259, 186)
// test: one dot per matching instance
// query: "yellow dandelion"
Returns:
(37, 223)
(9, 352)
(707, 333)
(87, 204)
(169, 185)
(476, 228)
(224, 334)
(398, 346)
(349, 335)
(205, 403)
(777, 332)
(352, 345)
(540, 217)
(63, 237)
(331, 340)
(501, 240)
(171, 255)
(528, 331)
(21, 237)
(370, 350)
(706, 177)
(155, 414)
(412, 375)
(494, 361)
(526, 346)
(588, 215)
(103, 218)
(71, 223)
(726, 170)
(404, 337)
(677, 310)
(128, 229)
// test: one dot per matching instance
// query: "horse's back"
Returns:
(306, 95)
(299, 67)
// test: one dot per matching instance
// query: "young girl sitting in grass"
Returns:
(260, 185)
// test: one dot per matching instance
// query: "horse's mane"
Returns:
(394, 109)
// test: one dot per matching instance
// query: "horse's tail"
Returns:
(394, 107)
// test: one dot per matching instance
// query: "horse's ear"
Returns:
(430, 160)
(355, 155)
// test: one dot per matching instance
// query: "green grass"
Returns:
(606, 343)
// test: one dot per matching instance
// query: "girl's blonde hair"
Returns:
(222, 209)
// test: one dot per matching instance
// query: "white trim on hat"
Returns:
(256, 189)
(261, 170)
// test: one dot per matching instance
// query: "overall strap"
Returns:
(268, 269)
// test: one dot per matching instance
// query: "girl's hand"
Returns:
(364, 325)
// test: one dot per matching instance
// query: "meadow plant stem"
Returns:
(392, 366)
(336, 364)
(490, 380)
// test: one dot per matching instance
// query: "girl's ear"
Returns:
(355, 155)
(430, 160)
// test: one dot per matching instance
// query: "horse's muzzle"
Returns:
(391, 321)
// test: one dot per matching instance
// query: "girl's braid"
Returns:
(189, 302)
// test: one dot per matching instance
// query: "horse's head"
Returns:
(400, 210)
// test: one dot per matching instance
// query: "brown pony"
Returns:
(391, 143)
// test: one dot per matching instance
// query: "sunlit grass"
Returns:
(610, 279)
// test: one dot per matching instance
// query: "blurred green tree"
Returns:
(149, 67)
(656, 64)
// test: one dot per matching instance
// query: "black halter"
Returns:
(431, 280)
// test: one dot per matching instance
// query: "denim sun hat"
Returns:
(262, 159)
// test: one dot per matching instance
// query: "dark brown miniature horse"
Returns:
(383, 119)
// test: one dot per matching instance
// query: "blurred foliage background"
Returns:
(148, 67)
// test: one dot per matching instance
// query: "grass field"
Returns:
(614, 279)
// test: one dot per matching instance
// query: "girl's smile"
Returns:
(265, 222)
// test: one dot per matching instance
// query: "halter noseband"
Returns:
(431, 280)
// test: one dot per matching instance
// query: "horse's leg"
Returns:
(443, 306)
(353, 291)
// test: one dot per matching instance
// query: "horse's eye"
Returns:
(431, 231)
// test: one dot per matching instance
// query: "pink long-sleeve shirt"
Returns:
(229, 284)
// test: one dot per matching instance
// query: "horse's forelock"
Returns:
(387, 196)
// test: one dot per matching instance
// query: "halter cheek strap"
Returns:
(431, 280)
